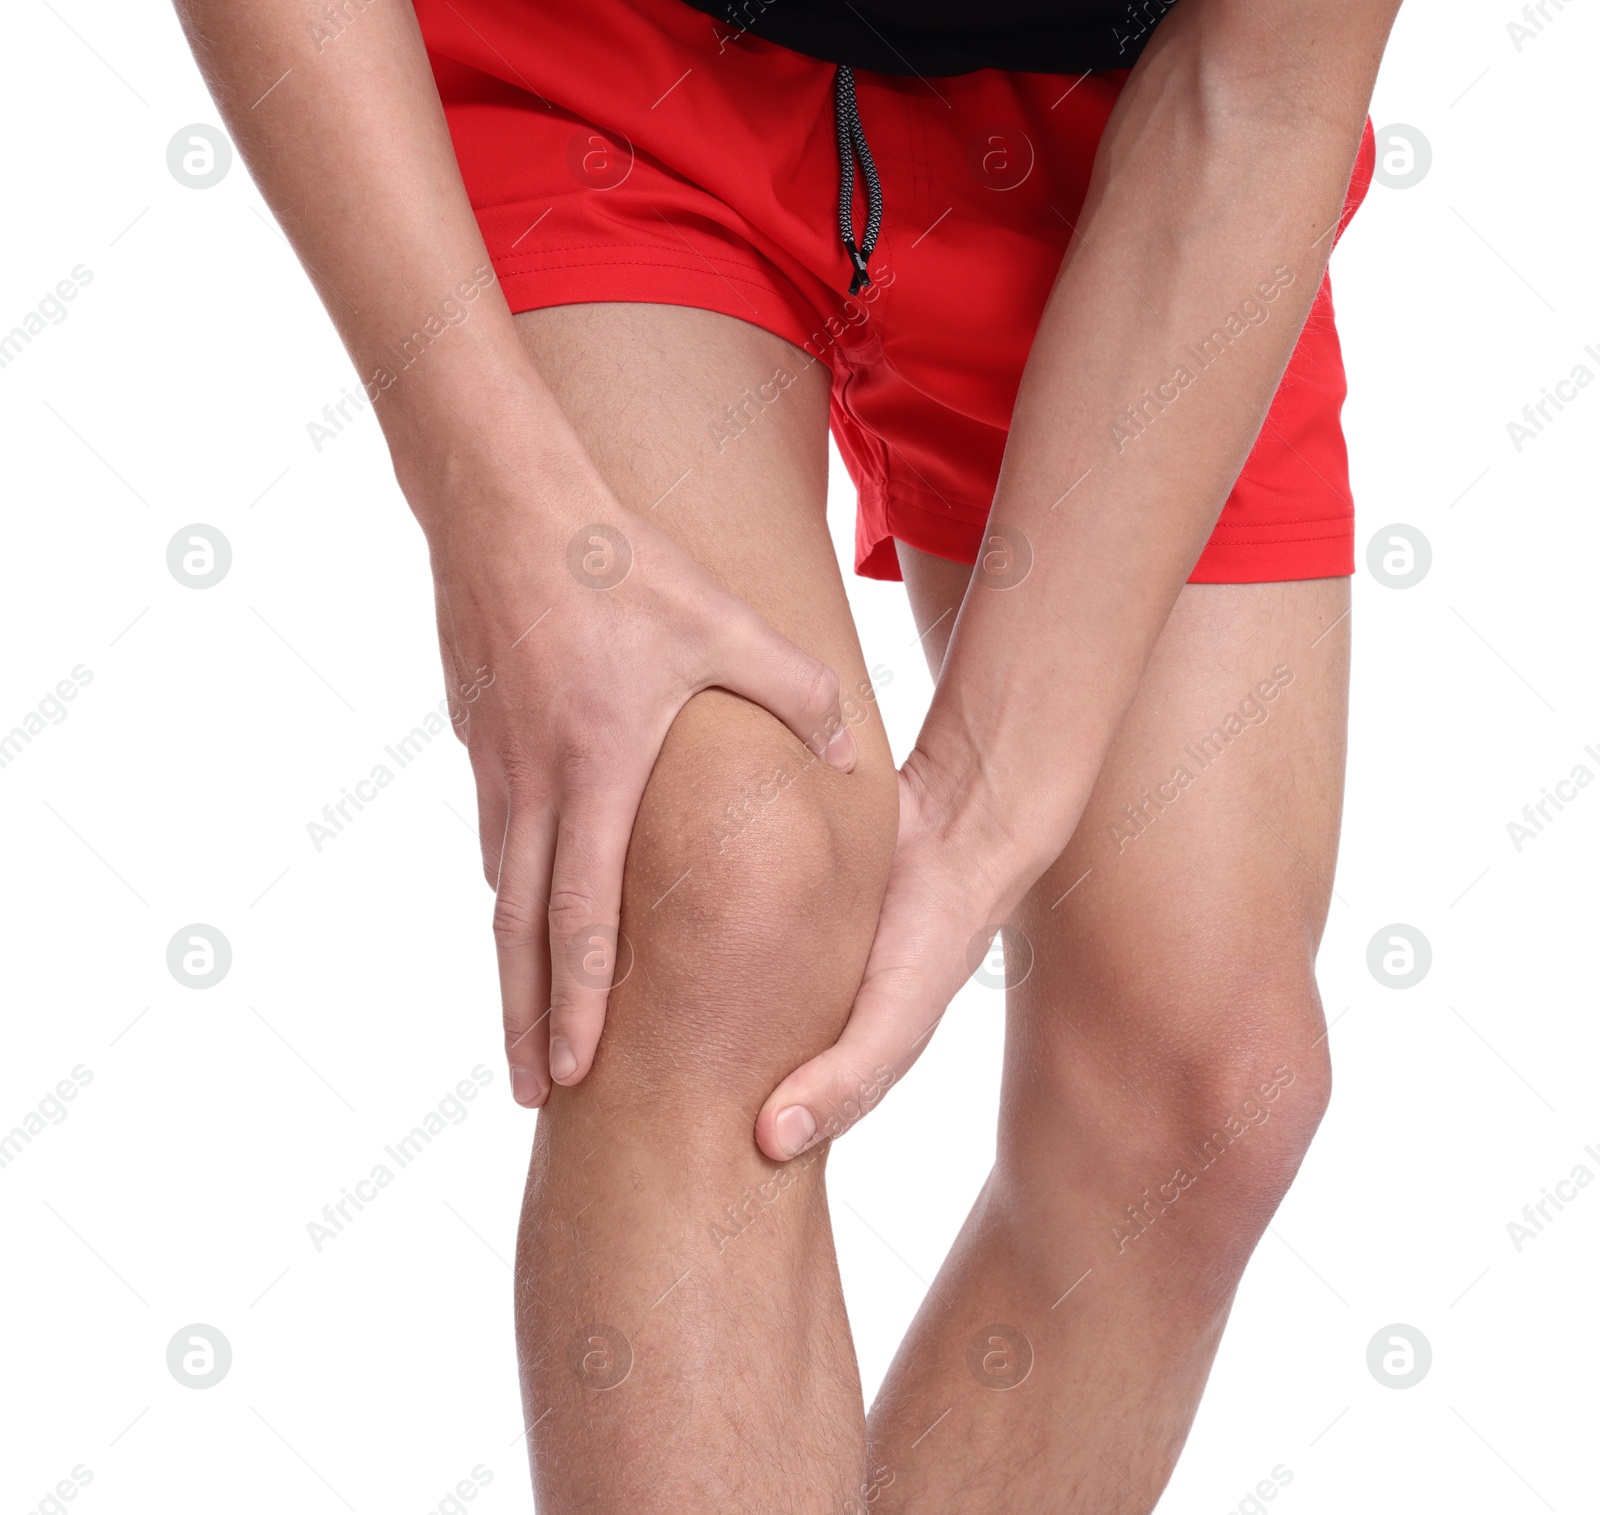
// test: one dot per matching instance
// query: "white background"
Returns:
(217, 723)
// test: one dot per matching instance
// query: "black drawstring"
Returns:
(853, 145)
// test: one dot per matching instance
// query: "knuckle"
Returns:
(491, 846)
(522, 774)
(821, 685)
(819, 690)
(588, 755)
(520, 1030)
(571, 911)
(568, 1012)
(515, 923)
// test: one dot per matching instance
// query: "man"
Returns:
(1084, 240)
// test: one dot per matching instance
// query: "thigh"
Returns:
(716, 431)
(1174, 939)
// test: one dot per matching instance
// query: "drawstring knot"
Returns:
(853, 146)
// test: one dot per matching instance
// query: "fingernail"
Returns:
(795, 1127)
(525, 1086)
(841, 753)
(563, 1060)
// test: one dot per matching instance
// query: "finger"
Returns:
(493, 807)
(755, 661)
(588, 954)
(897, 1009)
(451, 659)
(522, 945)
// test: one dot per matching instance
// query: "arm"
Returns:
(547, 671)
(1220, 177)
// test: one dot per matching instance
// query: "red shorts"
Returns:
(636, 150)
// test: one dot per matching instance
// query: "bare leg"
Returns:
(1165, 1071)
(680, 1324)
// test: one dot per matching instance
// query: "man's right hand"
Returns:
(572, 633)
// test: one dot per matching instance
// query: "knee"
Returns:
(1233, 1123)
(1240, 1111)
(1247, 1041)
(1193, 1120)
(749, 900)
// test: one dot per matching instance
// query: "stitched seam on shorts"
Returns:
(741, 271)
(612, 244)
(1244, 546)
(1228, 527)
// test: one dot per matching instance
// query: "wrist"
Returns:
(978, 814)
(453, 426)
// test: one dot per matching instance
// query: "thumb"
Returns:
(754, 660)
(913, 971)
(895, 1012)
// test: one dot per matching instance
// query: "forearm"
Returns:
(1217, 187)
(347, 140)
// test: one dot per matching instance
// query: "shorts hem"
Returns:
(1278, 560)
(641, 276)
(1264, 554)
(919, 518)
